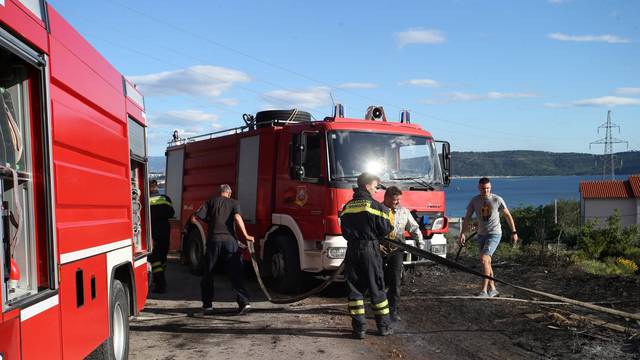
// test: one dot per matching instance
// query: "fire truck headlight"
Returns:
(336, 252)
(438, 224)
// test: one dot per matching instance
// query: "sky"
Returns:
(484, 75)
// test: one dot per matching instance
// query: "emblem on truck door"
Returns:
(301, 196)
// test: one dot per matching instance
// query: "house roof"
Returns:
(611, 189)
(634, 181)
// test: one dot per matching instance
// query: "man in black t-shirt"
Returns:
(221, 214)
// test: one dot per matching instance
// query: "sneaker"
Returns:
(385, 331)
(358, 334)
(483, 294)
(244, 309)
(208, 311)
(493, 293)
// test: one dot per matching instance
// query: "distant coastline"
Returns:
(515, 163)
(538, 163)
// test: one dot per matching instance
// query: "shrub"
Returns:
(627, 265)
(608, 267)
(591, 241)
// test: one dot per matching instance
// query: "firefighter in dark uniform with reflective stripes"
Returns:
(363, 222)
(161, 212)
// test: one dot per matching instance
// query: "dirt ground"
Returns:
(435, 328)
(171, 327)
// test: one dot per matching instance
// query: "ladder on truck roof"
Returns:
(240, 129)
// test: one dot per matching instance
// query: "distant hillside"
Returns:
(516, 163)
(157, 164)
(538, 163)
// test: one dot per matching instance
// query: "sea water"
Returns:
(517, 191)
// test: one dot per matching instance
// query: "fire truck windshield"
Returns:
(393, 157)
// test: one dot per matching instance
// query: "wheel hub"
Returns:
(118, 332)
(277, 265)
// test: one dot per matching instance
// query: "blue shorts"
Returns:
(488, 243)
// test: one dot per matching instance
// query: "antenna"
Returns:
(608, 140)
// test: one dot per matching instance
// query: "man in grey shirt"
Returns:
(392, 258)
(487, 207)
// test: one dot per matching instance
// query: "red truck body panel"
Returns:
(87, 215)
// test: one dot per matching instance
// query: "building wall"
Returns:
(601, 209)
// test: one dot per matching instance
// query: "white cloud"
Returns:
(357, 85)
(492, 95)
(608, 101)
(556, 105)
(227, 101)
(627, 91)
(420, 82)
(308, 98)
(188, 123)
(189, 120)
(612, 39)
(419, 36)
(196, 81)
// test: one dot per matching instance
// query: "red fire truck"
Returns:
(292, 176)
(74, 212)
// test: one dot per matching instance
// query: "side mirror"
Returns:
(445, 159)
(298, 153)
(298, 172)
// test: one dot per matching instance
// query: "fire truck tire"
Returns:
(117, 345)
(195, 252)
(264, 118)
(284, 264)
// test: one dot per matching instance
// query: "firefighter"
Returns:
(364, 221)
(401, 220)
(161, 212)
(222, 214)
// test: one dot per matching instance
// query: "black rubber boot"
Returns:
(394, 316)
(385, 331)
(159, 283)
(358, 334)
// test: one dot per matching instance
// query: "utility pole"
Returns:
(608, 140)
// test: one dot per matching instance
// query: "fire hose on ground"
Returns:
(427, 255)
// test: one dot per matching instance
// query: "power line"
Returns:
(495, 133)
(608, 140)
(306, 77)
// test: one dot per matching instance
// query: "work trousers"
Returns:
(393, 278)
(226, 251)
(363, 271)
(158, 258)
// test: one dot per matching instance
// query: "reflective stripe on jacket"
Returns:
(364, 219)
(161, 207)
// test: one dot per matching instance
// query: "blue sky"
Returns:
(485, 75)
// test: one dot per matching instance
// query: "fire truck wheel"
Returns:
(117, 345)
(195, 252)
(284, 263)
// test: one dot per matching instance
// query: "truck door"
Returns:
(302, 189)
(29, 299)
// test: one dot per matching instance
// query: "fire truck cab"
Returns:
(292, 177)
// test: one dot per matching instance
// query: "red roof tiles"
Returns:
(611, 189)
(634, 181)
